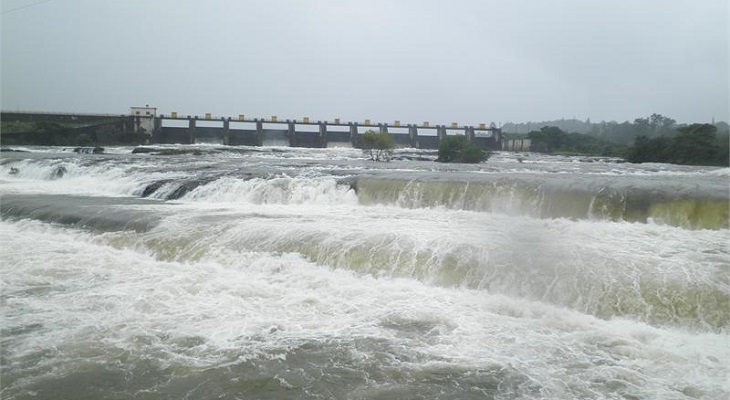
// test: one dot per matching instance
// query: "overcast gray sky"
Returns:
(466, 61)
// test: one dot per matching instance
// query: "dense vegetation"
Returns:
(625, 132)
(696, 144)
(552, 140)
(458, 148)
(377, 145)
(653, 139)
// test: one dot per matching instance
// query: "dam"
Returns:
(170, 129)
(239, 131)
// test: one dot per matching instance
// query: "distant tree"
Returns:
(459, 149)
(567, 125)
(548, 139)
(722, 127)
(650, 150)
(378, 145)
(553, 140)
(723, 153)
(626, 132)
(661, 125)
(643, 127)
(696, 144)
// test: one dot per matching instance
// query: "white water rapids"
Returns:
(293, 273)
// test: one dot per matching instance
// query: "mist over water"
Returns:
(312, 273)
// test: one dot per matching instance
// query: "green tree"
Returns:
(642, 127)
(650, 150)
(458, 148)
(723, 152)
(661, 125)
(548, 139)
(551, 140)
(378, 145)
(696, 144)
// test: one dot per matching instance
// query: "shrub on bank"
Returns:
(459, 149)
(378, 145)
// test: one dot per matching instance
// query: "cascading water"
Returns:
(216, 272)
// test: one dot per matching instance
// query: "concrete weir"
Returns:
(305, 133)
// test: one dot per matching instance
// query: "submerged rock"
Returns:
(58, 172)
(152, 188)
(350, 181)
(89, 150)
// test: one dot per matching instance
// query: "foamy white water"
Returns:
(274, 275)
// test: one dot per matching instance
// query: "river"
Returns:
(210, 272)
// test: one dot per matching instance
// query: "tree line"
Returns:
(659, 140)
(653, 139)
(553, 140)
(696, 144)
(617, 132)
